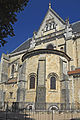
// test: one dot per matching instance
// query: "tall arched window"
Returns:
(52, 83)
(50, 46)
(32, 82)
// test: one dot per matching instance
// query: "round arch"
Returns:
(50, 46)
(52, 74)
(53, 107)
(30, 107)
(32, 80)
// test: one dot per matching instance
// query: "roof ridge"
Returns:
(51, 10)
(57, 15)
(43, 20)
(75, 22)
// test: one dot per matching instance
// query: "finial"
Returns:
(67, 21)
(7, 52)
(49, 4)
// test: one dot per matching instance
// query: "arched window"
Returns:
(32, 82)
(52, 83)
(50, 46)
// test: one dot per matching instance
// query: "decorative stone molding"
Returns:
(53, 75)
(53, 107)
(45, 51)
(33, 43)
(32, 74)
(68, 30)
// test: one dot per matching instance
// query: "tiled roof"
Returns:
(76, 27)
(12, 80)
(74, 72)
(23, 46)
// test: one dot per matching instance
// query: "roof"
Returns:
(76, 27)
(74, 72)
(24, 46)
(45, 51)
(57, 15)
(12, 80)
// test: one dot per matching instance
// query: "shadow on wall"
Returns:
(7, 115)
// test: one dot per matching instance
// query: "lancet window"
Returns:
(52, 83)
(32, 82)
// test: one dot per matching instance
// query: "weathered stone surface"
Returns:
(43, 64)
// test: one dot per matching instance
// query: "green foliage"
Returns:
(8, 13)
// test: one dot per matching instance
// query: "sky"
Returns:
(30, 19)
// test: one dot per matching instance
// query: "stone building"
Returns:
(44, 71)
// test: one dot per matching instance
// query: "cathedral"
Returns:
(43, 73)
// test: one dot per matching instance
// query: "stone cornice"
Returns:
(17, 53)
(44, 51)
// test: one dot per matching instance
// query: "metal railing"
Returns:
(39, 115)
(13, 112)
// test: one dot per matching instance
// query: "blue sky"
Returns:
(30, 19)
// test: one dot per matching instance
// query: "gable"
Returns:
(51, 22)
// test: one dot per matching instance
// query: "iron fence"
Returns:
(40, 115)
(11, 111)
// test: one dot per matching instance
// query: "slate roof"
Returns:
(23, 46)
(76, 27)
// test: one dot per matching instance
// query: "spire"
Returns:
(49, 4)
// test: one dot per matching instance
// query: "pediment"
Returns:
(52, 22)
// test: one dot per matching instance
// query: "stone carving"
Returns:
(33, 43)
(49, 26)
(68, 30)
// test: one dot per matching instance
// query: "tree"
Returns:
(8, 14)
